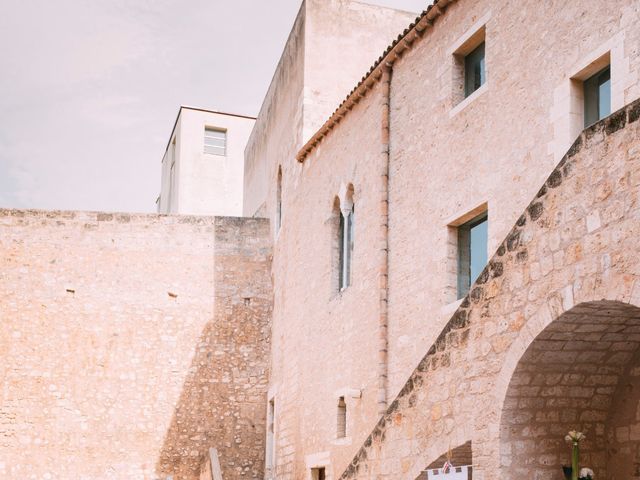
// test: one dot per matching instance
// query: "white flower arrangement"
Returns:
(573, 472)
(586, 474)
(575, 437)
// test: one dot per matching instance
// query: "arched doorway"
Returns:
(582, 372)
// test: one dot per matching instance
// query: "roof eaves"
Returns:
(403, 42)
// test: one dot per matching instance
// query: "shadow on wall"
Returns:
(223, 401)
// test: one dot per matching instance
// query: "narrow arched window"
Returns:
(279, 200)
(346, 239)
(341, 429)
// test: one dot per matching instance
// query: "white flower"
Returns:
(586, 473)
(574, 436)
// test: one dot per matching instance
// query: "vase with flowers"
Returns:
(574, 472)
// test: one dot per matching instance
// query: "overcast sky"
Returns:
(89, 89)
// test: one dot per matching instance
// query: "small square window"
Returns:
(469, 65)
(474, 71)
(215, 141)
(597, 97)
(472, 252)
(318, 474)
(341, 427)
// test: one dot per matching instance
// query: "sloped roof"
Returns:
(403, 42)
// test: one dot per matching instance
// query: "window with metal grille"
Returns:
(215, 141)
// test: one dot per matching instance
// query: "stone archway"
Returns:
(581, 372)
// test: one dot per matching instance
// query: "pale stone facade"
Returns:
(131, 344)
(330, 45)
(199, 179)
(247, 335)
(421, 161)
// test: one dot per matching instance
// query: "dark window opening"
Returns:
(472, 252)
(474, 70)
(346, 238)
(279, 200)
(341, 430)
(318, 473)
(597, 97)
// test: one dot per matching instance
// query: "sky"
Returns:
(89, 89)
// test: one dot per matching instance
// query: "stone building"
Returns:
(203, 166)
(448, 262)
(389, 212)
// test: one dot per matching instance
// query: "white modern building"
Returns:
(203, 164)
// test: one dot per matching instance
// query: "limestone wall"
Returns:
(131, 344)
(446, 160)
(561, 296)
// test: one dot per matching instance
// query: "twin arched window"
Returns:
(344, 238)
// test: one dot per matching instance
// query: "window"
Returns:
(318, 474)
(346, 230)
(469, 66)
(270, 454)
(215, 141)
(341, 430)
(172, 178)
(597, 97)
(472, 251)
(474, 71)
(279, 200)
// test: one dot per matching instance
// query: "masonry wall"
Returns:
(331, 44)
(496, 150)
(446, 160)
(278, 128)
(321, 330)
(547, 340)
(131, 344)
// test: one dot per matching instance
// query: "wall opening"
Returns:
(172, 178)
(581, 373)
(469, 65)
(341, 427)
(597, 97)
(215, 141)
(270, 453)
(318, 473)
(278, 222)
(343, 239)
(469, 239)
(590, 91)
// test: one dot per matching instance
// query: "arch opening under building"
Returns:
(582, 372)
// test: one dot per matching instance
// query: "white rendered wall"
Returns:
(205, 184)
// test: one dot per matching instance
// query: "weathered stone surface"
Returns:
(130, 348)
(568, 363)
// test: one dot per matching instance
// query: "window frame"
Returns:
(213, 147)
(346, 231)
(475, 59)
(592, 91)
(278, 221)
(465, 45)
(341, 419)
(464, 275)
